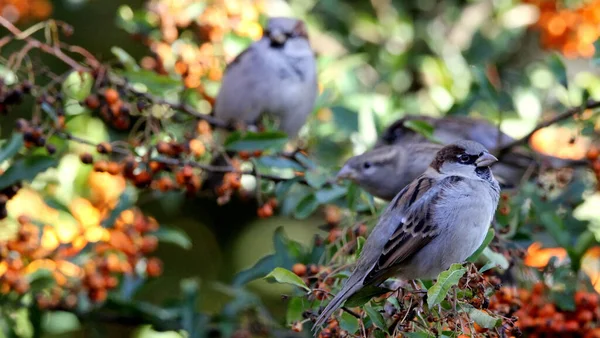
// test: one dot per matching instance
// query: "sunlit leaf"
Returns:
(127, 60)
(77, 85)
(26, 169)
(483, 319)
(316, 179)
(281, 275)
(12, 147)
(446, 279)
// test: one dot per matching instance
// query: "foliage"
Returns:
(94, 142)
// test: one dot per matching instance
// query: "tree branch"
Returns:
(591, 104)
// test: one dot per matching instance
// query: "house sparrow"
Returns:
(384, 171)
(439, 219)
(275, 76)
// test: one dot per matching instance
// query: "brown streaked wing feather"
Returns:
(415, 231)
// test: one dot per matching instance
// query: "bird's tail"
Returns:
(350, 287)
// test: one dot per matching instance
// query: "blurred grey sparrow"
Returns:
(275, 76)
(439, 219)
(384, 171)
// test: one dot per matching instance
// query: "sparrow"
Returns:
(385, 170)
(450, 129)
(275, 76)
(439, 219)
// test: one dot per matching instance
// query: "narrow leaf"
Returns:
(557, 67)
(306, 206)
(259, 270)
(12, 147)
(446, 279)
(26, 169)
(376, 317)
(174, 236)
(250, 141)
(281, 275)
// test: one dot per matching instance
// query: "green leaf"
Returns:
(483, 319)
(364, 295)
(376, 317)
(345, 119)
(349, 323)
(360, 243)
(77, 86)
(174, 236)
(498, 259)
(557, 68)
(446, 279)
(328, 195)
(487, 266)
(145, 80)
(258, 270)
(279, 162)
(596, 58)
(316, 178)
(41, 279)
(250, 141)
(26, 169)
(555, 227)
(285, 276)
(488, 238)
(417, 335)
(12, 147)
(127, 60)
(295, 308)
(284, 186)
(307, 205)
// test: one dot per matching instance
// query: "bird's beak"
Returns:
(345, 173)
(486, 160)
(277, 36)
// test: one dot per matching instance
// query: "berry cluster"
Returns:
(539, 317)
(572, 31)
(11, 96)
(5, 195)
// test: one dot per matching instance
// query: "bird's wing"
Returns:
(413, 210)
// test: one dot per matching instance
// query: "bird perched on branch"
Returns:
(403, 153)
(276, 76)
(439, 219)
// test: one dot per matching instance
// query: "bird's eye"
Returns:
(464, 158)
(367, 165)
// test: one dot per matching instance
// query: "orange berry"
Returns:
(334, 234)
(149, 244)
(592, 154)
(101, 166)
(297, 327)
(86, 158)
(203, 128)
(154, 267)
(104, 148)
(197, 147)
(267, 211)
(98, 295)
(479, 329)
(547, 311)
(571, 325)
(111, 95)
(165, 184)
(257, 153)
(585, 316)
(332, 215)
(142, 179)
(113, 168)
(244, 155)
(273, 202)
(299, 269)
(111, 282)
(92, 101)
(21, 286)
(164, 148)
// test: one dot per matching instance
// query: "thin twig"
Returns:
(57, 52)
(591, 104)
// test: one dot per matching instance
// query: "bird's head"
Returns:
(464, 158)
(280, 29)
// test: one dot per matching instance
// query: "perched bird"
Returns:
(275, 76)
(439, 219)
(385, 170)
(447, 130)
